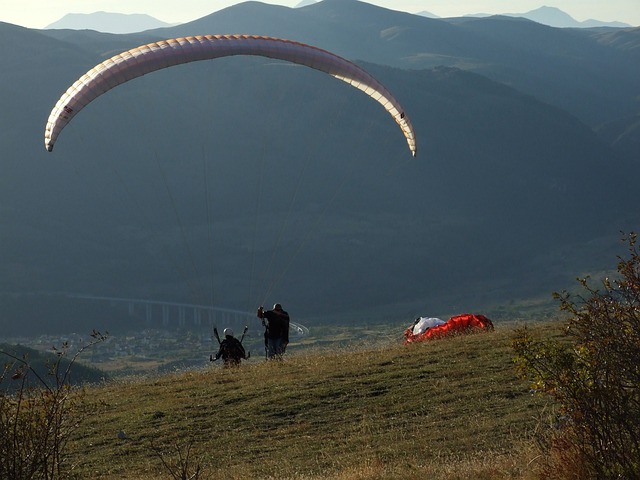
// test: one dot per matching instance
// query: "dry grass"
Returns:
(445, 409)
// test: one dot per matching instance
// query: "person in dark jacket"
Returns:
(276, 334)
(231, 350)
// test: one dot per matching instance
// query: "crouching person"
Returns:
(231, 350)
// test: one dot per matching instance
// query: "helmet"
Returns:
(277, 306)
(228, 332)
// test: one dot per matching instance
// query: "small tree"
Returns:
(36, 422)
(593, 374)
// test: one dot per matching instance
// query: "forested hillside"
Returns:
(243, 181)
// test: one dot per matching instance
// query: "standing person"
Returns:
(276, 334)
(231, 350)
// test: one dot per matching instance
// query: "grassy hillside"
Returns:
(444, 409)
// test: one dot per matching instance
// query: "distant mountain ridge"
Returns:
(108, 22)
(554, 17)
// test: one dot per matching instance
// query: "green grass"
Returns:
(445, 409)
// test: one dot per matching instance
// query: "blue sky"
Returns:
(40, 13)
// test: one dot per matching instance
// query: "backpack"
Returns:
(232, 349)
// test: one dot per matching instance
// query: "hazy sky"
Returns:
(40, 13)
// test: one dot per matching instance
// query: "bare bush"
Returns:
(36, 422)
(180, 464)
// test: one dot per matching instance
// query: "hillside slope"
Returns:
(502, 181)
(447, 409)
(244, 181)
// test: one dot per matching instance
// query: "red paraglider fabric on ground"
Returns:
(464, 323)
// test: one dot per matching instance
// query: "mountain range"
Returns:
(110, 22)
(243, 181)
(554, 17)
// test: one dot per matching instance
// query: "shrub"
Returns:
(593, 374)
(36, 422)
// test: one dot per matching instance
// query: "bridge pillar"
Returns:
(148, 314)
(165, 315)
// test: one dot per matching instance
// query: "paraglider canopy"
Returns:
(432, 328)
(166, 53)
